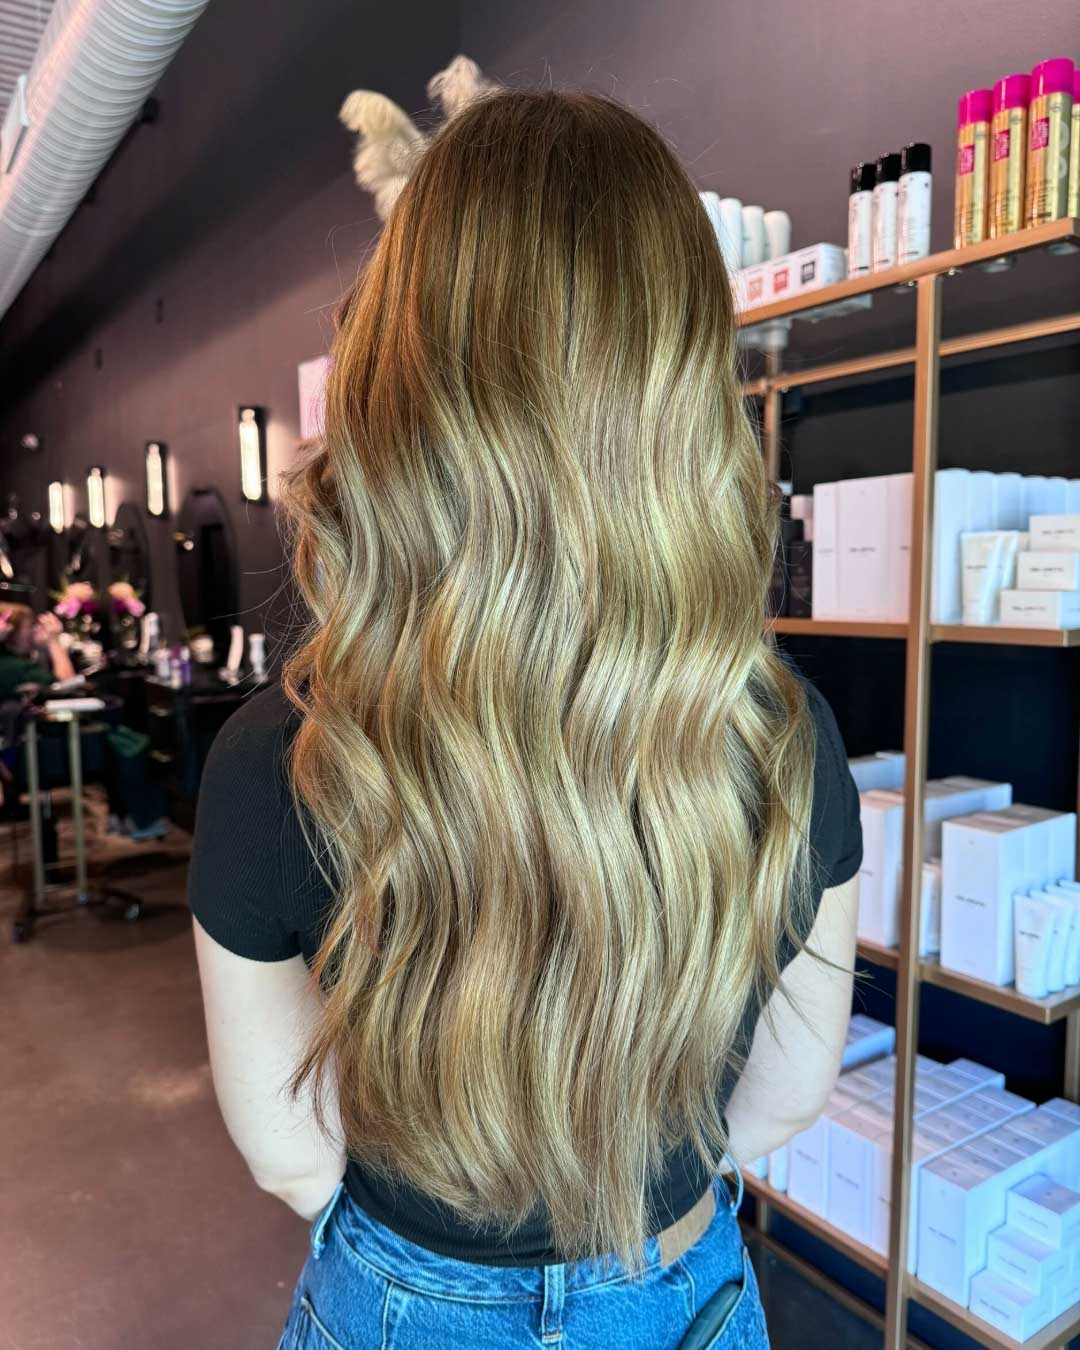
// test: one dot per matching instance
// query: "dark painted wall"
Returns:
(208, 265)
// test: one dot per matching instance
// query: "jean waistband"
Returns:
(395, 1257)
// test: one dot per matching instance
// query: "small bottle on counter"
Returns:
(972, 141)
(185, 665)
(860, 251)
(913, 203)
(1008, 154)
(886, 188)
(1049, 123)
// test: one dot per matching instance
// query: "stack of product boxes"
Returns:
(1010, 903)
(995, 1214)
(861, 555)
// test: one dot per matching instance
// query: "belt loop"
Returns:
(318, 1231)
(551, 1328)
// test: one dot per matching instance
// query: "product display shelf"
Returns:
(1044, 1010)
(986, 633)
(1057, 232)
(874, 952)
(1054, 1335)
(926, 280)
(864, 1256)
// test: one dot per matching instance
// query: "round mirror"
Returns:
(129, 580)
(206, 568)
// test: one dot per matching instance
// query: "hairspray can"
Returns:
(883, 210)
(972, 136)
(859, 218)
(1074, 151)
(913, 203)
(1008, 154)
(1049, 123)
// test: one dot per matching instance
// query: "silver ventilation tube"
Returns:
(96, 63)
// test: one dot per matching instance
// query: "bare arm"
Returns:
(259, 1015)
(47, 630)
(797, 1048)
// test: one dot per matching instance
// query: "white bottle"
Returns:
(731, 232)
(257, 655)
(913, 203)
(753, 235)
(886, 187)
(777, 233)
(859, 221)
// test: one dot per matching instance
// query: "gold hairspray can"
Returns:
(1008, 152)
(1049, 124)
(972, 144)
(1074, 151)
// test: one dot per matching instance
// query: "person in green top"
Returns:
(30, 650)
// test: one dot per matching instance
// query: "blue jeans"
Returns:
(364, 1287)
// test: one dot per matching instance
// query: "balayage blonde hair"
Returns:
(559, 777)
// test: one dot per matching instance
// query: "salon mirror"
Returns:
(129, 580)
(206, 567)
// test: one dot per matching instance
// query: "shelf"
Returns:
(1011, 637)
(874, 952)
(838, 628)
(870, 1260)
(939, 264)
(1044, 1010)
(1054, 1334)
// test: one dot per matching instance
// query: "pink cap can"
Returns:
(1052, 77)
(974, 106)
(1012, 91)
(1076, 85)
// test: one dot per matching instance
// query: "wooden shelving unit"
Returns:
(920, 636)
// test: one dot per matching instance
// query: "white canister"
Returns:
(913, 203)
(886, 190)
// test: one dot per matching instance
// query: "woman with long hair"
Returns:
(525, 908)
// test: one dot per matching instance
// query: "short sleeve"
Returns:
(234, 883)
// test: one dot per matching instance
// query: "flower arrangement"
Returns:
(76, 599)
(125, 600)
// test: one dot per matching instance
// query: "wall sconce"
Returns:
(157, 491)
(252, 428)
(95, 495)
(57, 515)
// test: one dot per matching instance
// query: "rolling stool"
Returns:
(32, 906)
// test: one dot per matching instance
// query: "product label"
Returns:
(807, 272)
(1040, 133)
(965, 159)
(780, 280)
(1001, 144)
(754, 288)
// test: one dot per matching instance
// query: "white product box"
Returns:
(783, 277)
(752, 285)
(862, 533)
(882, 816)
(868, 1081)
(946, 798)
(808, 1152)
(849, 1194)
(1008, 502)
(1061, 1140)
(961, 1201)
(1046, 1211)
(1066, 1293)
(876, 772)
(898, 506)
(1055, 534)
(987, 1078)
(825, 595)
(1048, 571)
(778, 1171)
(867, 1040)
(1018, 1257)
(759, 1168)
(1040, 609)
(1015, 1311)
(820, 265)
(1072, 497)
(1047, 496)
(1051, 853)
(950, 517)
(982, 867)
(1059, 1106)
(997, 1099)
(802, 507)
(930, 909)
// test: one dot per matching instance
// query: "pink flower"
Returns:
(68, 608)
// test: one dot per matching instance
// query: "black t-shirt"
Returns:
(255, 888)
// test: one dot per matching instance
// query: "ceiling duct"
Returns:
(94, 67)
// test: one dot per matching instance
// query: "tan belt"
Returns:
(684, 1232)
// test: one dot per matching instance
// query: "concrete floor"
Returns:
(127, 1218)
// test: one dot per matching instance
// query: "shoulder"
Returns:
(256, 738)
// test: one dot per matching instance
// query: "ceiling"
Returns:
(21, 25)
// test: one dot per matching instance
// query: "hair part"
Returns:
(559, 777)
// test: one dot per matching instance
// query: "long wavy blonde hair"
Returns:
(558, 776)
